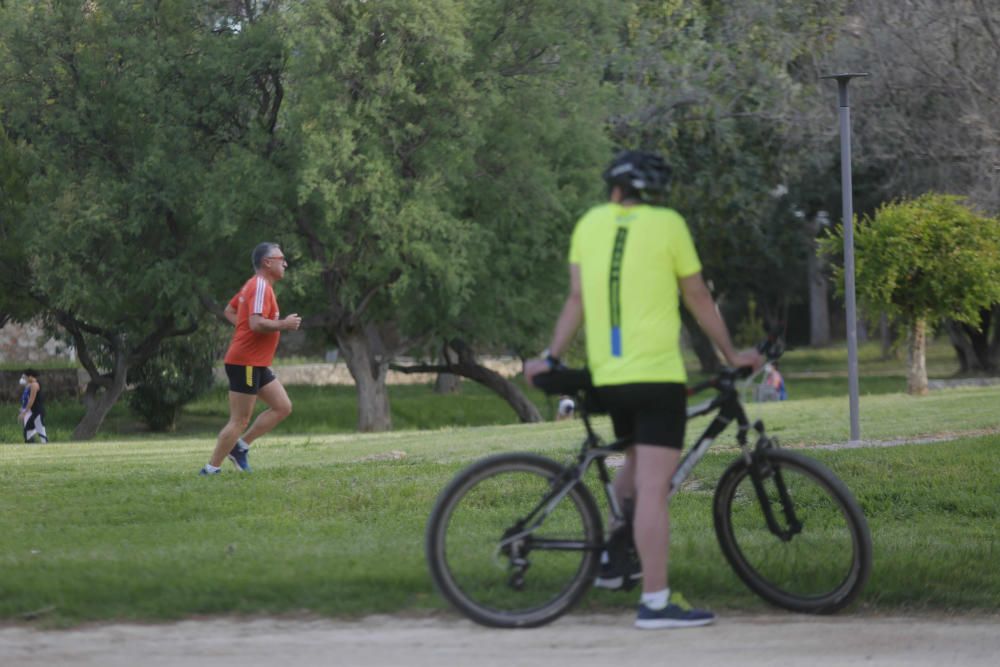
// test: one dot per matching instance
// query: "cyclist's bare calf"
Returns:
(654, 467)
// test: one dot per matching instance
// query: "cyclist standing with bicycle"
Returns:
(628, 259)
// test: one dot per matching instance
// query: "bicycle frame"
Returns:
(593, 451)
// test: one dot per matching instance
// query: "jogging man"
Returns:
(628, 260)
(254, 313)
(32, 414)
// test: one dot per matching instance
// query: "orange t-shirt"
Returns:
(250, 348)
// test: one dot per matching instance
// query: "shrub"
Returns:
(177, 375)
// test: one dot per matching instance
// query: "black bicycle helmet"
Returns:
(643, 174)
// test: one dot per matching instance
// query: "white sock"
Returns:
(605, 558)
(211, 468)
(656, 600)
(242, 445)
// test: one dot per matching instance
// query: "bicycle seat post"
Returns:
(581, 401)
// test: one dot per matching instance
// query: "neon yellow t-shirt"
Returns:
(630, 259)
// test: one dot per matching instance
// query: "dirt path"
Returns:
(578, 640)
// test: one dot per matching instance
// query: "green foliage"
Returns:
(180, 372)
(543, 148)
(136, 112)
(443, 151)
(381, 123)
(722, 90)
(149, 126)
(15, 173)
(928, 258)
(751, 328)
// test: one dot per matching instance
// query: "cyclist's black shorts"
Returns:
(649, 413)
(248, 379)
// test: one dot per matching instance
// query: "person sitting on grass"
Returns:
(775, 381)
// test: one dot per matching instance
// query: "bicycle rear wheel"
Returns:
(821, 557)
(486, 559)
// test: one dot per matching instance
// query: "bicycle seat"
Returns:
(564, 380)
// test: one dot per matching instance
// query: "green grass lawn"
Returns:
(809, 374)
(333, 523)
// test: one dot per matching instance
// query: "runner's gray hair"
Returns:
(260, 252)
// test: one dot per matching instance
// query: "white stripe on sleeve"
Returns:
(258, 299)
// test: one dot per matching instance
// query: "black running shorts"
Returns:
(248, 379)
(648, 413)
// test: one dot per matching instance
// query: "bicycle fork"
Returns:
(761, 470)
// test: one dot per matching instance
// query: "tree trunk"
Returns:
(887, 337)
(447, 383)
(994, 346)
(916, 372)
(775, 314)
(819, 306)
(963, 348)
(702, 346)
(862, 330)
(368, 365)
(976, 352)
(101, 395)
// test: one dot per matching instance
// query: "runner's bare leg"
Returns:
(279, 407)
(240, 411)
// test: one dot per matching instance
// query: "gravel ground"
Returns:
(578, 640)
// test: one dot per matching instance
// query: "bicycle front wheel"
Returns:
(815, 554)
(505, 552)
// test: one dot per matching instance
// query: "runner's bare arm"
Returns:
(261, 324)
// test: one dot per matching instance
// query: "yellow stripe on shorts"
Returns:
(249, 376)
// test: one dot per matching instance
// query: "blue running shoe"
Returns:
(677, 614)
(240, 456)
(205, 471)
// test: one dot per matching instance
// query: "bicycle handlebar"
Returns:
(563, 380)
(771, 348)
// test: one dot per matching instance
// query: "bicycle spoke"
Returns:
(496, 570)
(811, 562)
(814, 555)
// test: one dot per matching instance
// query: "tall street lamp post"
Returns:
(848, 205)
